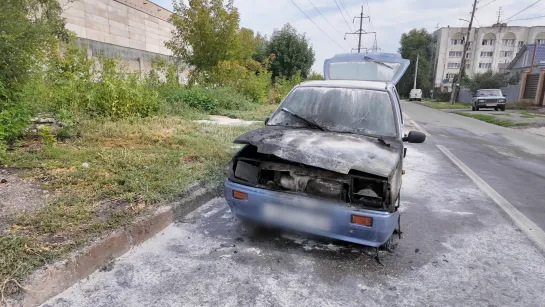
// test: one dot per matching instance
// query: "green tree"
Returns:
(29, 29)
(207, 33)
(489, 80)
(416, 42)
(292, 53)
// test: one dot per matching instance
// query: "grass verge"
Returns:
(525, 114)
(493, 120)
(112, 173)
(444, 105)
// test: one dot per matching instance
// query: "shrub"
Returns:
(249, 79)
(14, 119)
(47, 137)
(101, 88)
(284, 85)
(208, 100)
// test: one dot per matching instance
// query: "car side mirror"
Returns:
(267, 120)
(415, 137)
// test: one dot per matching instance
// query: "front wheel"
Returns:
(502, 108)
(472, 108)
(476, 108)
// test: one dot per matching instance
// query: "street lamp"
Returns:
(463, 19)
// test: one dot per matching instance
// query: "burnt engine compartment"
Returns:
(356, 189)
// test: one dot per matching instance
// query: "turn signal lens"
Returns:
(362, 220)
(240, 195)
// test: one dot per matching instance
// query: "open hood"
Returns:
(338, 152)
(382, 67)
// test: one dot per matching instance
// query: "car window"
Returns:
(485, 93)
(339, 109)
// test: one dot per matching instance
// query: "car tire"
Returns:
(496, 109)
(502, 109)
(419, 99)
(472, 108)
(476, 108)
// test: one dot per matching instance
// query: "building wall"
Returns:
(134, 30)
(442, 46)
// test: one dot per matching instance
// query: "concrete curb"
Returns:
(57, 277)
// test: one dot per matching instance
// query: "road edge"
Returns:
(53, 279)
(532, 230)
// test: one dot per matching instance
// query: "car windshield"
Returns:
(485, 93)
(338, 109)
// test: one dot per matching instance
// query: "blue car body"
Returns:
(336, 164)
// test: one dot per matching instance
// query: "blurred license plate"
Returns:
(490, 104)
(295, 217)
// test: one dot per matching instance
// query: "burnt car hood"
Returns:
(338, 152)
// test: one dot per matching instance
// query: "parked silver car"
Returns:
(488, 98)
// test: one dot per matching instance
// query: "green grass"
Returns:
(133, 165)
(493, 120)
(530, 115)
(444, 105)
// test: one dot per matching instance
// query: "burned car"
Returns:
(329, 160)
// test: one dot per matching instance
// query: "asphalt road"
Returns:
(458, 249)
(511, 161)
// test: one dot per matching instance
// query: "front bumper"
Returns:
(490, 104)
(338, 217)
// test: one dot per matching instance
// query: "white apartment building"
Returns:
(489, 48)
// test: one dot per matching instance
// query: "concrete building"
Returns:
(490, 48)
(133, 30)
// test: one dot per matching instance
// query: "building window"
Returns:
(455, 54)
(488, 42)
(485, 65)
(521, 43)
(506, 54)
(451, 75)
(468, 66)
(540, 41)
(456, 41)
(468, 55)
(487, 54)
(508, 42)
(453, 65)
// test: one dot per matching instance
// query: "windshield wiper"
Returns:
(378, 62)
(381, 139)
(307, 121)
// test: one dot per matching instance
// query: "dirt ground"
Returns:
(18, 195)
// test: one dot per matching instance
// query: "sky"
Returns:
(389, 19)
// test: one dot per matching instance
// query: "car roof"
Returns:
(372, 85)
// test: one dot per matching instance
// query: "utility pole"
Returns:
(360, 32)
(416, 70)
(455, 88)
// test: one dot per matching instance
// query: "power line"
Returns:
(344, 7)
(536, 17)
(371, 22)
(529, 6)
(326, 20)
(349, 28)
(316, 25)
(485, 4)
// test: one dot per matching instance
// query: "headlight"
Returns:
(501, 100)
(480, 100)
